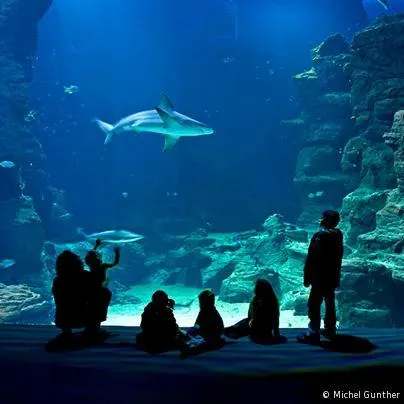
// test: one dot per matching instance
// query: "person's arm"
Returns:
(218, 326)
(197, 324)
(116, 260)
(276, 322)
(340, 254)
(251, 314)
(308, 265)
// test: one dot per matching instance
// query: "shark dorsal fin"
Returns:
(165, 116)
(169, 142)
(165, 103)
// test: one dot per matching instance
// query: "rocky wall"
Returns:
(28, 204)
(322, 129)
(368, 173)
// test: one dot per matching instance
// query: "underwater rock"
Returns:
(24, 240)
(358, 212)
(356, 90)
(369, 280)
(379, 262)
(330, 133)
(332, 107)
(17, 140)
(366, 317)
(300, 306)
(293, 131)
(324, 92)
(307, 85)
(317, 159)
(377, 167)
(371, 53)
(334, 45)
(19, 303)
(320, 190)
(17, 49)
(348, 100)
(274, 255)
(395, 139)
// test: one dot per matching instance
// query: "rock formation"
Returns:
(31, 209)
(322, 129)
(368, 180)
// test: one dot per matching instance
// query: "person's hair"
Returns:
(207, 298)
(68, 263)
(330, 218)
(92, 257)
(160, 297)
(264, 290)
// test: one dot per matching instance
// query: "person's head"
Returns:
(93, 259)
(264, 290)
(206, 299)
(68, 263)
(160, 298)
(330, 219)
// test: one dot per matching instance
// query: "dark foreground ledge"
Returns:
(239, 373)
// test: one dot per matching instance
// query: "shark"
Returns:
(113, 236)
(164, 120)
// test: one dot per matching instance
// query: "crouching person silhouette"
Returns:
(160, 331)
(71, 290)
(81, 302)
(322, 271)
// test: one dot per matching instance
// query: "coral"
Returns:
(19, 303)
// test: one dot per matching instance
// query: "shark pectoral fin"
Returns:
(135, 128)
(170, 142)
(165, 103)
(165, 117)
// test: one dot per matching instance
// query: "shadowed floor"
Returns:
(114, 373)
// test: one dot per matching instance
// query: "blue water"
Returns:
(226, 63)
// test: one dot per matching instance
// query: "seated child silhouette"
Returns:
(263, 313)
(208, 329)
(160, 331)
(262, 323)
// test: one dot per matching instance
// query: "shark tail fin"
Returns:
(107, 128)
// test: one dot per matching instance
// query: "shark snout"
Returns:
(206, 130)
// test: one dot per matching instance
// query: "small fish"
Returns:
(7, 164)
(113, 236)
(228, 59)
(7, 263)
(384, 3)
(71, 89)
(65, 216)
(124, 195)
(31, 116)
